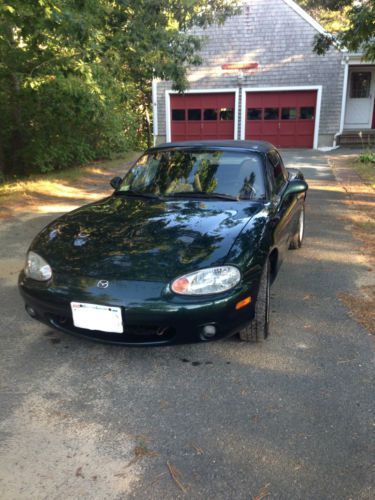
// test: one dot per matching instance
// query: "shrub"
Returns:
(367, 157)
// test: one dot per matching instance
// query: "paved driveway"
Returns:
(289, 419)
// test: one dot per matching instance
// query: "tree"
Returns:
(351, 25)
(75, 75)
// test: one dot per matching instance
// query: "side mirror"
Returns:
(115, 182)
(296, 186)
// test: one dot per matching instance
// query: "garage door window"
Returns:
(178, 115)
(307, 113)
(254, 113)
(210, 114)
(288, 113)
(194, 114)
(271, 113)
(226, 114)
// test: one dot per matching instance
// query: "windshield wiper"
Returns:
(137, 194)
(201, 194)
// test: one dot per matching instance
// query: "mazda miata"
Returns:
(184, 249)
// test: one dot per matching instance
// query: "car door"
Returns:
(283, 208)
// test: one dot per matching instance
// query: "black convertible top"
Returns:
(256, 146)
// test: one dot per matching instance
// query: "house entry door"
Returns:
(360, 99)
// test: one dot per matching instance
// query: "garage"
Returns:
(284, 118)
(202, 116)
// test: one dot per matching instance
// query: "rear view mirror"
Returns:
(296, 186)
(115, 182)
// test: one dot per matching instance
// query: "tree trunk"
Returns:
(148, 127)
(2, 158)
(146, 103)
(17, 136)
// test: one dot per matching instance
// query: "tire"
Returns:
(258, 329)
(297, 240)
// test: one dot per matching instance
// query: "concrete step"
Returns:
(354, 137)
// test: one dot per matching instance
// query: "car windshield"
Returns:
(188, 173)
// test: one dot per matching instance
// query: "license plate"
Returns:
(96, 317)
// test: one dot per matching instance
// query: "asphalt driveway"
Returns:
(290, 419)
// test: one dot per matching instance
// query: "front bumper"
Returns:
(151, 316)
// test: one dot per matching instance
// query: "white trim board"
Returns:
(155, 108)
(306, 16)
(168, 93)
(343, 102)
(318, 88)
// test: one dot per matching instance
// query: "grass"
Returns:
(366, 170)
(59, 192)
(42, 182)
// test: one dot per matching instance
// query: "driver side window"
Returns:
(278, 172)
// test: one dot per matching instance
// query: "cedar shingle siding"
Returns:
(273, 34)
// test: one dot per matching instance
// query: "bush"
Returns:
(367, 157)
(68, 120)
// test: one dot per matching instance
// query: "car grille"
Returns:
(132, 333)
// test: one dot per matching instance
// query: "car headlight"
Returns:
(37, 268)
(207, 281)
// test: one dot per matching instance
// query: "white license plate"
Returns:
(96, 317)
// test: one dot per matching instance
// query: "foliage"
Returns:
(351, 25)
(75, 75)
(367, 157)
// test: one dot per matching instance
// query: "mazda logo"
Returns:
(102, 284)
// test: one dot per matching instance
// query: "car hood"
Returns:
(135, 239)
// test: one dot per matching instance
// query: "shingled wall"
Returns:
(273, 34)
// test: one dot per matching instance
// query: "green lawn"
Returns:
(366, 171)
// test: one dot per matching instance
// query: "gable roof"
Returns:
(306, 16)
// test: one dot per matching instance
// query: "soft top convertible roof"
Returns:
(256, 146)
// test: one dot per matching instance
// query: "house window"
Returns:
(254, 113)
(226, 114)
(194, 114)
(178, 115)
(210, 114)
(307, 113)
(271, 113)
(288, 113)
(360, 84)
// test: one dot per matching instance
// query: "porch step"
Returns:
(353, 138)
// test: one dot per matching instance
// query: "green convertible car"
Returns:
(183, 250)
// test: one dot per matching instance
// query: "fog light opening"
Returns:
(208, 332)
(31, 311)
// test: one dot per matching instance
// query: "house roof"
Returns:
(306, 16)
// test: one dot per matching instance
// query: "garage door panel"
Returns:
(193, 128)
(293, 117)
(207, 116)
(226, 127)
(287, 128)
(256, 128)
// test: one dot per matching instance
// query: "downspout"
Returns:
(343, 100)
(155, 109)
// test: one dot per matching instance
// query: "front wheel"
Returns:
(297, 240)
(258, 329)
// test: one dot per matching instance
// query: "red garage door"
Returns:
(202, 116)
(286, 119)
